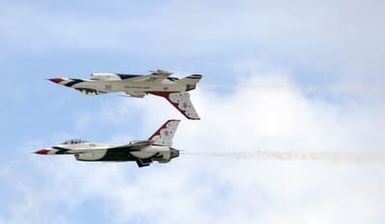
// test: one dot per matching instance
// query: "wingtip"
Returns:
(195, 76)
(194, 118)
(173, 120)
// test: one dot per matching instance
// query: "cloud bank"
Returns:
(264, 112)
(300, 78)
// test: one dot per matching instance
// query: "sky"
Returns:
(291, 103)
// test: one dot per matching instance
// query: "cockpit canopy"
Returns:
(74, 141)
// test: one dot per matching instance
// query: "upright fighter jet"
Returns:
(143, 152)
(158, 83)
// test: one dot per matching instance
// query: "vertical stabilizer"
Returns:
(181, 101)
(165, 134)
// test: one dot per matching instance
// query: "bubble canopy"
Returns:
(74, 141)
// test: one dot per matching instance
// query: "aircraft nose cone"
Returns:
(42, 152)
(56, 80)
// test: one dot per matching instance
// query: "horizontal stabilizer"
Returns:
(190, 81)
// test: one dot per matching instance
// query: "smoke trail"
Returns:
(328, 156)
(306, 89)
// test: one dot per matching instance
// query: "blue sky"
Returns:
(283, 78)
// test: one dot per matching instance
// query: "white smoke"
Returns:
(325, 156)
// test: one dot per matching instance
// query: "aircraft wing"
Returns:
(156, 76)
(181, 101)
(135, 146)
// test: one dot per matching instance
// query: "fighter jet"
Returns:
(143, 152)
(159, 83)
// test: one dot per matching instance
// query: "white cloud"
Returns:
(265, 112)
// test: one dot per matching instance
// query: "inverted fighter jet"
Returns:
(143, 152)
(157, 83)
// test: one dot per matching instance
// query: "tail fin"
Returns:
(190, 81)
(164, 135)
(180, 101)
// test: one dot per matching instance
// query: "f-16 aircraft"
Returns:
(159, 83)
(143, 152)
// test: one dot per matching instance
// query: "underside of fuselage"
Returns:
(95, 87)
(120, 156)
(123, 156)
(127, 156)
